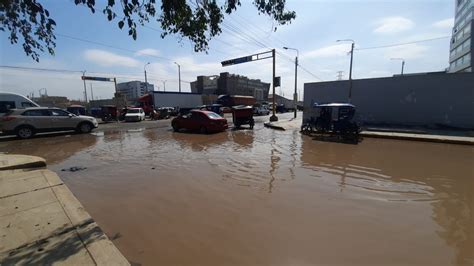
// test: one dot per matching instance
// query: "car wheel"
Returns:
(25, 132)
(203, 130)
(175, 127)
(85, 127)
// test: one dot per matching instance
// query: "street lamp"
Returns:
(295, 95)
(146, 82)
(179, 76)
(403, 62)
(350, 68)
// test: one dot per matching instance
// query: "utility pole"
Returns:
(92, 92)
(273, 118)
(146, 81)
(350, 73)
(350, 68)
(255, 57)
(179, 76)
(403, 63)
(295, 95)
(164, 85)
(85, 88)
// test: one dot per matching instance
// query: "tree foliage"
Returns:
(197, 20)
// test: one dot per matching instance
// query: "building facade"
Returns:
(232, 84)
(52, 101)
(437, 100)
(134, 89)
(461, 48)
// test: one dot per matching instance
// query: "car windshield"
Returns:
(213, 115)
(133, 111)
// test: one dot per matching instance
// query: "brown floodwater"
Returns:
(267, 197)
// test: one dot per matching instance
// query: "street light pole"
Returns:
(403, 63)
(146, 81)
(85, 88)
(179, 76)
(350, 67)
(295, 95)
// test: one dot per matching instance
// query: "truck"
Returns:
(234, 100)
(180, 100)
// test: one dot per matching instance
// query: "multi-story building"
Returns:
(461, 48)
(231, 84)
(134, 89)
(52, 101)
(205, 85)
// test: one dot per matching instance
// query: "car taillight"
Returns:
(8, 118)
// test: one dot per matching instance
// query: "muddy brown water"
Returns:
(267, 197)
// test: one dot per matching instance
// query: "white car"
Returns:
(261, 110)
(135, 115)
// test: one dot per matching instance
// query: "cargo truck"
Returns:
(180, 100)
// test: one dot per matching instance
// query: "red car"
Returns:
(198, 120)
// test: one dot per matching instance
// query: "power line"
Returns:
(246, 37)
(132, 76)
(109, 46)
(42, 69)
(400, 44)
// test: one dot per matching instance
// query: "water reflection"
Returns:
(404, 171)
(53, 149)
(244, 138)
(200, 142)
(271, 195)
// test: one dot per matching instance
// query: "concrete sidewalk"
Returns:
(419, 137)
(42, 223)
(285, 124)
(296, 124)
(20, 162)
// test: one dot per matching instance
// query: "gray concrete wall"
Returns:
(432, 100)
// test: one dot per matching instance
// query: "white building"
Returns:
(134, 89)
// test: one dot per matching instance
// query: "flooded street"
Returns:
(267, 197)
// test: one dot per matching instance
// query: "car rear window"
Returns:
(213, 115)
(133, 111)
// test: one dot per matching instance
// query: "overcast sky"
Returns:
(314, 32)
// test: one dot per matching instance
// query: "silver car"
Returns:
(25, 123)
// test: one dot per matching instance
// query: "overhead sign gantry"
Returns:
(256, 57)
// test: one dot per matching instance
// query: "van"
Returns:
(10, 100)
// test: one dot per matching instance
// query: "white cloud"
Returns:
(411, 51)
(390, 25)
(444, 24)
(107, 59)
(330, 51)
(147, 51)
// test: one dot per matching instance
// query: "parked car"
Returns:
(25, 123)
(198, 120)
(261, 110)
(135, 115)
